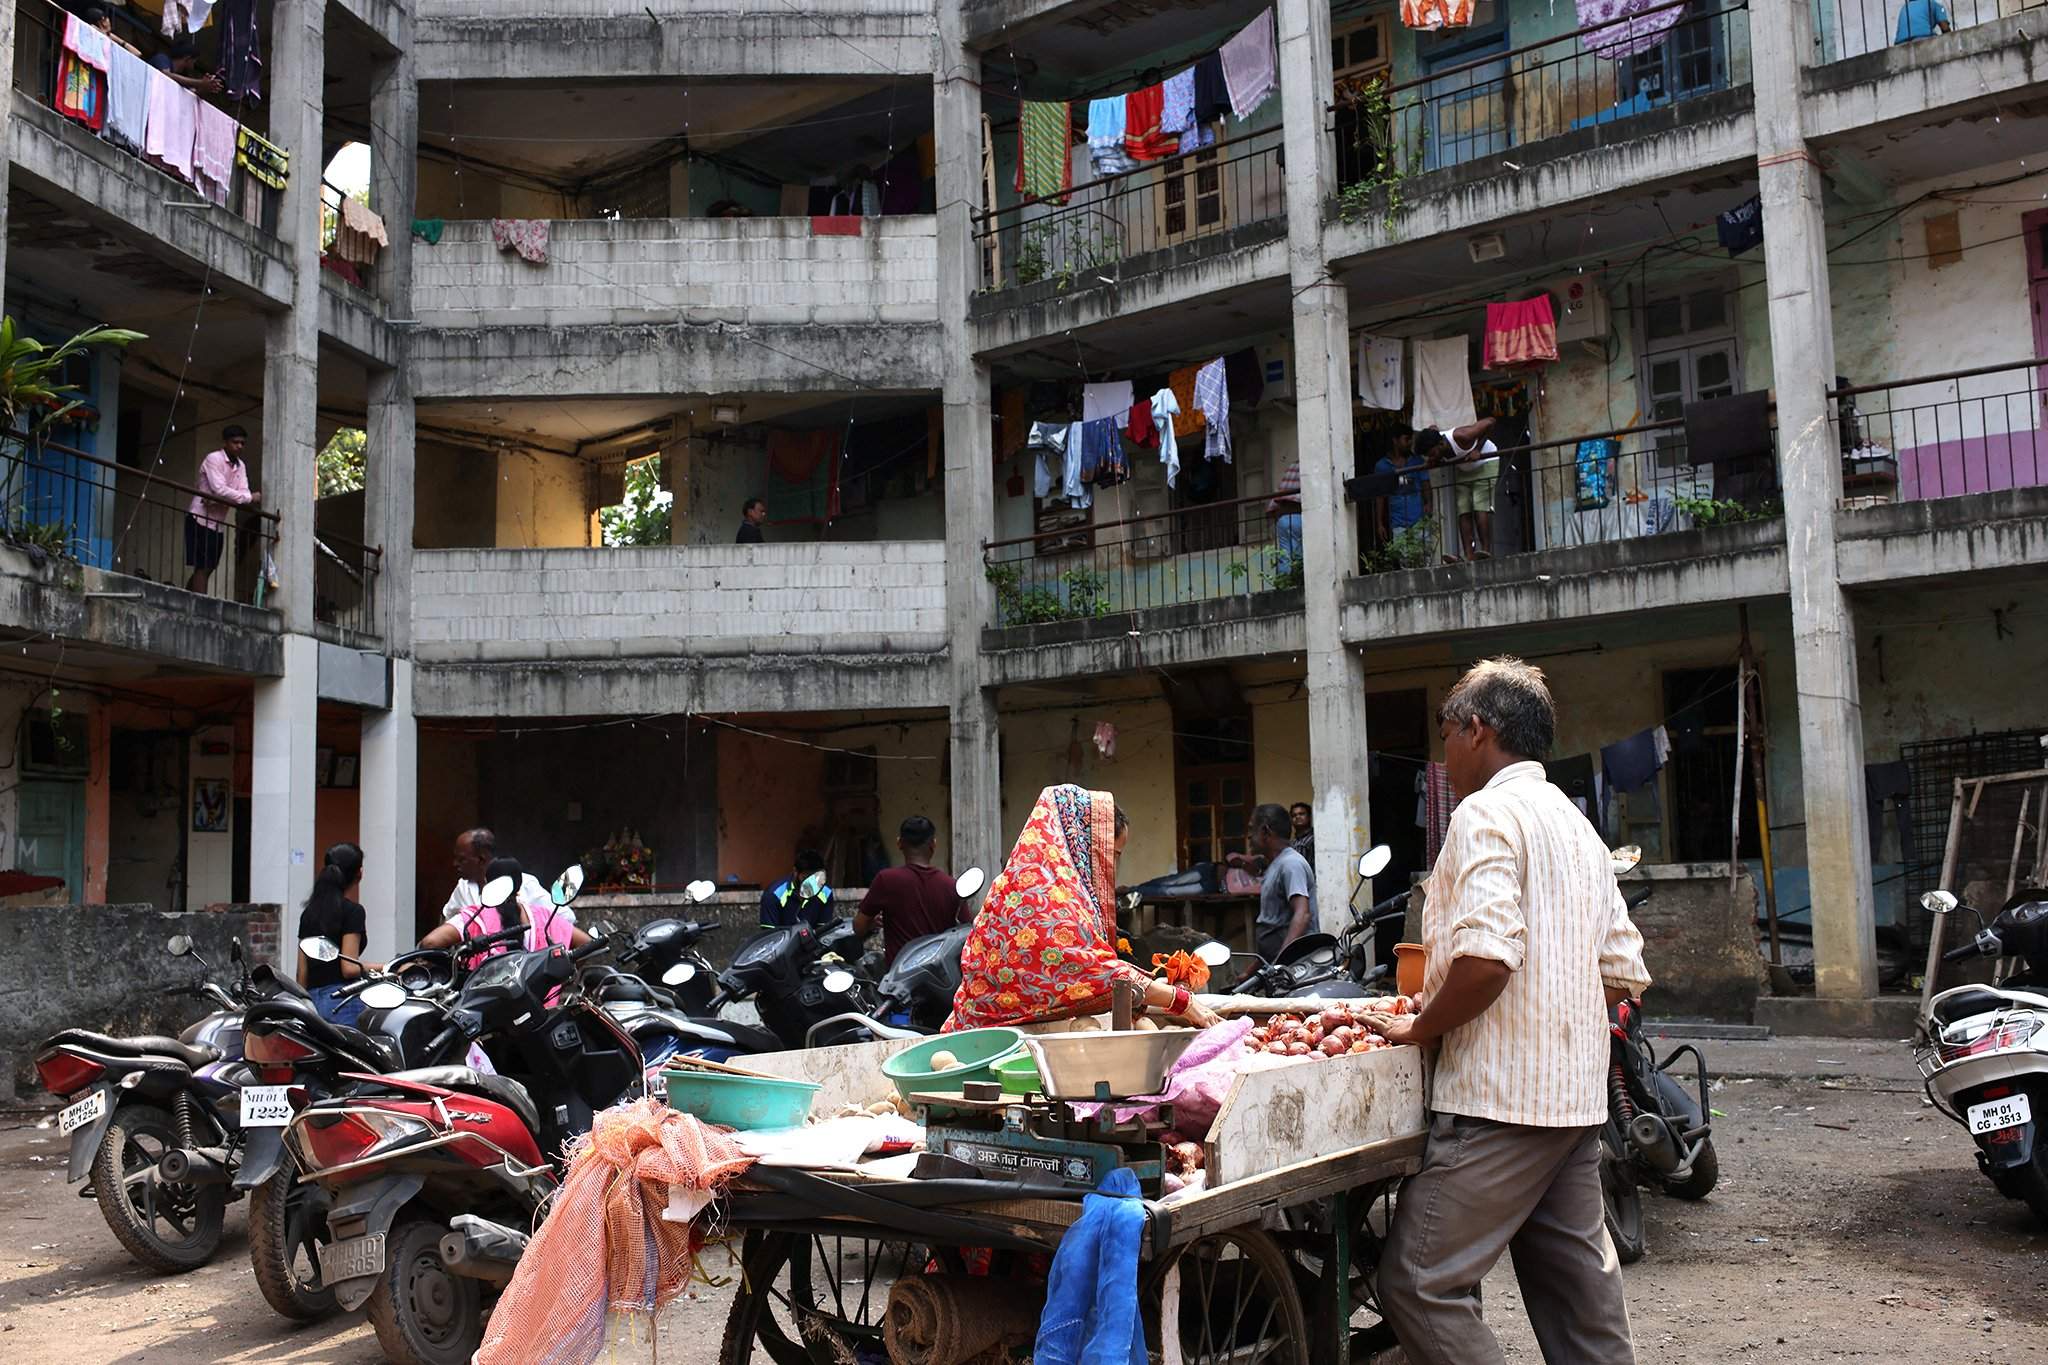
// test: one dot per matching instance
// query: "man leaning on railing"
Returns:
(224, 484)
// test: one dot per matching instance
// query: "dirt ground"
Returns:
(1850, 1225)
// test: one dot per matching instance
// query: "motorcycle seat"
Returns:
(194, 1055)
(1968, 1002)
(503, 1089)
(343, 1037)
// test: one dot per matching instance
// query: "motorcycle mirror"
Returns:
(1625, 858)
(320, 949)
(1374, 861)
(385, 995)
(1213, 954)
(1938, 902)
(679, 975)
(969, 883)
(701, 890)
(839, 982)
(497, 891)
(813, 884)
(179, 946)
(235, 948)
(1131, 901)
(568, 885)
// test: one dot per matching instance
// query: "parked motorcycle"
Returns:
(660, 946)
(154, 1121)
(1657, 1133)
(916, 990)
(1329, 966)
(1983, 1050)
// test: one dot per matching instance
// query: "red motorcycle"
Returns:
(433, 1176)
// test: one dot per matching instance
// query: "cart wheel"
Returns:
(807, 1299)
(1238, 1302)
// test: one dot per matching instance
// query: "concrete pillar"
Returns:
(6, 132)
(394, 163)
(388, 501)
(977, 808)
(390, 818)
(282, 859)
(291, 352)
(1809, 458)
(1338, 769)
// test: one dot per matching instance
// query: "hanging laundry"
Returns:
(1594, 473)
(213, 152)
(1138, 428)
(1251, 66)
(527, 236)
(173, 123)
(1045, 163)
(81, 92)
(427, 230)
(127, 99)
(1212, 91)
(836, 224)
(1177, 110)
(1073, 487)
(185, 16)
(241, 54)
(359, 234)
(1520, 333)
(1212, 396)
(1105, 739)
(1625, 29)
(1099, 442)
(1379, 372)
(1104, 400)
(1633, 764)
(1047, 445)
(1443, 384)
(803, 469)
(1742, 227)
(1165, 415)
(1198, 136)
(93, 46)
(1106, 125)
(1144, 139)
(1188, 418)
(1437, 804)
(1430, 15)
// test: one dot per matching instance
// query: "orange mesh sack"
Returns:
(605, 1243)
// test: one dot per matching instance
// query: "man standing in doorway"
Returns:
(1287, 895)
(1529, 943)
(912, 900)
(474, 850)
(223, 486)
(751, 517)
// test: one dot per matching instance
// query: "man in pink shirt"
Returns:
(223, 485)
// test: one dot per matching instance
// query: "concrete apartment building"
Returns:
(453, 644)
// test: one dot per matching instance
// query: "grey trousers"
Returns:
(1485, 1188)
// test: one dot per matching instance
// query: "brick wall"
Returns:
(764, 270)
(697, 599)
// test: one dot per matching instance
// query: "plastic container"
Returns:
(1019, 1074)
(754, 1102)
(1410, 961)
(976, 1052)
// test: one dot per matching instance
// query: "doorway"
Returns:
(1700, 704)
(1397, 726)
(50, 841)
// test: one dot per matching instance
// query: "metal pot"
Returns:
(1097, 1066)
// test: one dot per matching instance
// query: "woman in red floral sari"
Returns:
(1044, 944)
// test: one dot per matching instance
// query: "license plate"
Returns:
(266, 1106)
(350, 1260)
(1993, 1115)
(73, 1117)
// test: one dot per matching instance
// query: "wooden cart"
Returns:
(1274, 1262)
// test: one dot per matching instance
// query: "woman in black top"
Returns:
(331, 915)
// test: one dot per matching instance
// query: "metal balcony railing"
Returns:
(345, 574)
(80, 507)
(1945, 435)
(1165, 203)
(1850, 28)
(1183, 554)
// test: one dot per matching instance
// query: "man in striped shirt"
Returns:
(1529, 942)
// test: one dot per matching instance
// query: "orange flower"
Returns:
(1182, 969)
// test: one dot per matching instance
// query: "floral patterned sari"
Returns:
(1044, 945)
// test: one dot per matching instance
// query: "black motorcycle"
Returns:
(1318, 966)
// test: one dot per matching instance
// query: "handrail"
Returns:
(1141, 169)
(90, 458)
(1577, 33)
(332, 539)
(1855, 389)
(1095, 526)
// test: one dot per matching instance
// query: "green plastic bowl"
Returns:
(753, 1102)
(1019, 1074)
(978, 1050)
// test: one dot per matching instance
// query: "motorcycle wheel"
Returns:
(287, 1227)
(423, 1314)
(2034, 1185)
(1622, 1199)
(1706, 1173)
(167, 1227)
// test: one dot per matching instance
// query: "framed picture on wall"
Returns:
(345, 770)
(209, 805)
(323, 767)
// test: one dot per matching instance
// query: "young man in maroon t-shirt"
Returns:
(912, 900)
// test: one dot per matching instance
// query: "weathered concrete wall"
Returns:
(103, 967)
(1035, 749)
(353, 319)
(598, 40)
(1884, 547)
(665, 359)
(762, 270)
(543, 501)
(64, 600)
(1183, 636)
(1880, 83)
(1699, 940)
(618, 603)
(703, 683)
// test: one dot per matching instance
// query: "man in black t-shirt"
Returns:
(751, 517)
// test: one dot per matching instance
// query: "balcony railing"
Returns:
(1186, 554)
(38, 47)
(1850, 28)
(1182, 199)
(80, 507)
(1494, 104)
(345, 576)
(1945, 435)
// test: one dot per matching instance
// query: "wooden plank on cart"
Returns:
(848, 1074)
(1279, 1115)
(1318, 1177)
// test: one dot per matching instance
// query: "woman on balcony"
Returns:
(1044, 946)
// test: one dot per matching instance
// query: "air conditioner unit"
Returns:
(1581, 308)
(1276, 365)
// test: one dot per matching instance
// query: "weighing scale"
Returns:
(1007, 1135)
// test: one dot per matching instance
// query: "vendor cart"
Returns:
(1274, 1261)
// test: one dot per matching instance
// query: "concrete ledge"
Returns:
(68, 601)
(1191, 633)
(1941, 537)
(353, 319)
(387, 19)
(1927, 80)
(1885, 1016)
(675, 685)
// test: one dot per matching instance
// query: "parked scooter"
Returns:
(1657, 1132)
(153, 1120)
(653, 953)
(1983, 1050)
(1330, 966)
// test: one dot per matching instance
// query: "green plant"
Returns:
(643, 518)
(340, 465)
(1382, 186)
(1065, 250)
(1086, 594)
(29, 370)
(51, 537)
(1411, 547)
(1710, 511)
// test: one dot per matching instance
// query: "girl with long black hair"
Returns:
(331, 915)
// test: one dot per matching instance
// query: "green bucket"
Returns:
(754, 1102)
(976, 1052)
(1019, 1074)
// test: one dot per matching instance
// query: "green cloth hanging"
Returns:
(429, 230)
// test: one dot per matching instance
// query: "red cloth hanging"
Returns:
(1142, 138)
(1523, 333)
